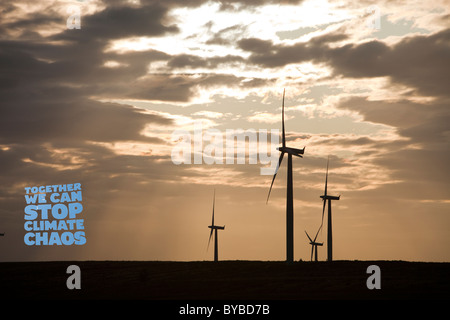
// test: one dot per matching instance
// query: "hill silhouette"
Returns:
(236, 280)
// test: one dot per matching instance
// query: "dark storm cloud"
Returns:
(415, 162)
(348, 141)
(182, 87)
(420, 62)
(269, 55)
(420, 169)
(234, 5)
(77, 119)
(120, 22)
(42, 66)
(191, 61)
(39, 105)
(80, 61)
(47, 117)
(34, 21)
(223, 3)
(256, 45)
(35, 75)
(425, 123)
(46, 88)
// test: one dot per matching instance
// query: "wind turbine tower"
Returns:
(214, 229)
(326, 197)
(314, 245)
(289, 190)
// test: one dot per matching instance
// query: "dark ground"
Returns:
(225, 280)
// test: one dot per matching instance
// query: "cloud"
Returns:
(192, 61)
(120, 22)
(234, 5)
(415, 61)
(423, 123)
(38, 120)
(419, 160)
(209, 114)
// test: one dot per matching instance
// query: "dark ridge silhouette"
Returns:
(235, 280)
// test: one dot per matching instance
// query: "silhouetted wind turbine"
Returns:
(214, 228)
(289, 192)
(326, 197)
(314, 245)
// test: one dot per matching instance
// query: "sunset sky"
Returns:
(98, 106)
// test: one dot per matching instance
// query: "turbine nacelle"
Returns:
(293, 151)
(327, 197)
(217, 227)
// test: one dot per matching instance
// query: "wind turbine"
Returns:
(289, 192)
(326, 197)
(214, 229)
(314, 245)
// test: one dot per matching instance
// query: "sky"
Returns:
(94, 92)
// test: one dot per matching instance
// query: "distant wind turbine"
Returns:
(326, 197)
(214, 228)
(289, 193)
(314, 245)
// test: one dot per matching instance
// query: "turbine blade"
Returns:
(326, 177)
(214, 201)
(308, 236)
(325, 193)
(276, 171)
(323, 212)
(316, 235)
(210, 236)
(282, 120)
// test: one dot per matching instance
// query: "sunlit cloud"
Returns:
(114, 64)
(265, 117)
(209, 114)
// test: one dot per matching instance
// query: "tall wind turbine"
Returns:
(314, 245)
(326, 197)
(214, 229)
(289, 192)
